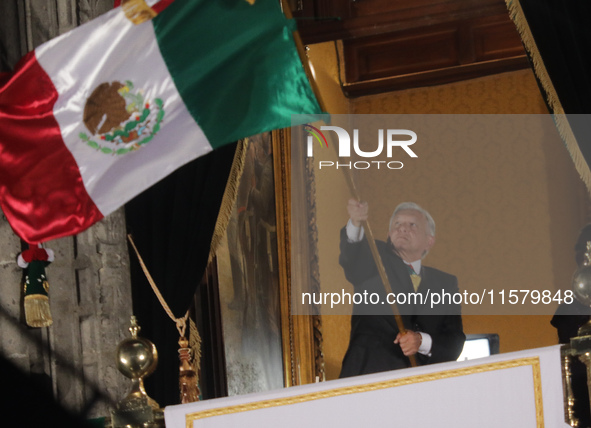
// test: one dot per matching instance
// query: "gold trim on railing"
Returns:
(534, 362)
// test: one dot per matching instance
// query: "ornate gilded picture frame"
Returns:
(302, 334)
(266, 347)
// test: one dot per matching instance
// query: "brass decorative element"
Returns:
(582, 287)
(189, 389)
(568, 396)
(582, 283)
(533, 362)
(580, 345)
(585, 357)
(137, 11)
(137, 358)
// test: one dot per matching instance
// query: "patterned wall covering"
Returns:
(507, 93)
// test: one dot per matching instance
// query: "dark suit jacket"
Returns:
(373, 327)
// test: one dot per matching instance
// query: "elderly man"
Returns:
(432, 334)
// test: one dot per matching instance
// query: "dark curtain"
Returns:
(561, 33)
(172, 225)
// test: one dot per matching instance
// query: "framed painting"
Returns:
(265, 347)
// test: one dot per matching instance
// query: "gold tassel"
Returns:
(195, 345)
(137, 11)
(36, 286)
(229, 198)
(188, 380)
(37, 313)
(189, 389)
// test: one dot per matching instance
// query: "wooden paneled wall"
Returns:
(393, 44)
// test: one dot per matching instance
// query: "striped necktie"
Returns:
(414, 277)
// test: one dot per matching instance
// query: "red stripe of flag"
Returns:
(161, 5)
(158, 7)
(41, 190)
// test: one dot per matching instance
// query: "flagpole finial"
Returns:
(137, 11)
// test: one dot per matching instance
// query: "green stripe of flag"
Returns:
(235, 65)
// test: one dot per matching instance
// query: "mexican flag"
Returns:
(92, 118)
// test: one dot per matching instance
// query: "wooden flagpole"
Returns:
(349, 179)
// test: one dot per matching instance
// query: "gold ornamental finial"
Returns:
(136, 358)
(137, 11)
(135, 328)
(188, 385)
(587, 261)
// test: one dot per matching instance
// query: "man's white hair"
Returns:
(415, 207)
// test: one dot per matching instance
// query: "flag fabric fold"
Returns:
(94, 117)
